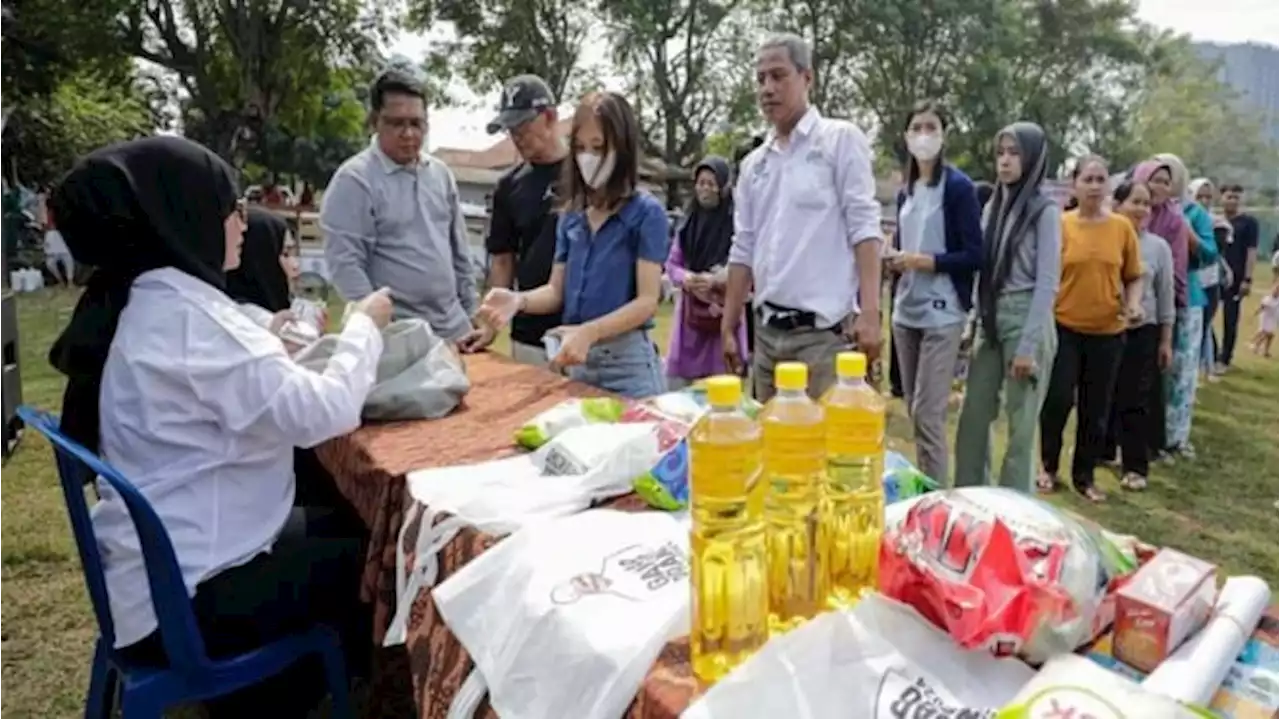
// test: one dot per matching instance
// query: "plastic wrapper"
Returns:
(1001, 570)
(666, 486)
(902, 480)
(566, 415)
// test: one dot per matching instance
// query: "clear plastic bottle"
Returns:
(730, 604)
(794, 463)
(852, 509)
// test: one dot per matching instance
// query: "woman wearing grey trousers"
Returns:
(938, 247)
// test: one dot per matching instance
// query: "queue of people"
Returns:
(178, 375)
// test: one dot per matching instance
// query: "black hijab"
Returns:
(1012, 209)
(707, 233)
(127, 209)
(259, 279)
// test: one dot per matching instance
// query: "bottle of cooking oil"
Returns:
(852, 512)
(794, 463)
(730, 601)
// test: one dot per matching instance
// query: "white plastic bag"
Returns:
(565, 617)
(880, 660)
(581, 466)
(419, 375)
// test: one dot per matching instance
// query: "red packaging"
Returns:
(996, 569)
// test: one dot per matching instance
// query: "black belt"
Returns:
(790, 319)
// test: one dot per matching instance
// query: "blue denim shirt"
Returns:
(600, 269)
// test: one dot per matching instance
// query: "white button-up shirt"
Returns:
(799, 211)
(201, 409)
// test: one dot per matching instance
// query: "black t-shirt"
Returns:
(1244, 237)
(523, 224)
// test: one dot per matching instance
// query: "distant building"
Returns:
(1253, 70)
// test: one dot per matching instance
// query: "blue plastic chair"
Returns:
(145, 692)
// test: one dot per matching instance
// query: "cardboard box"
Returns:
(1168, 599)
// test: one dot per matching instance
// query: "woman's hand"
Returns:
(279, 320)
(1134, 313)
(499, 306)
(1164, 356)
(480, 337)
(911, 261)
(377, 305)
(1022, 368)
(575, 342)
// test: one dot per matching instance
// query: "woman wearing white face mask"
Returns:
(611, 242)
(937, 250)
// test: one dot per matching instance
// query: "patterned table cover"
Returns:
(370, 465)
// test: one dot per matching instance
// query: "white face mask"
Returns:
(595, 171)
(924, 145)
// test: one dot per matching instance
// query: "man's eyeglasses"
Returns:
(403, 124)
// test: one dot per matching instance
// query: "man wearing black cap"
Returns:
(522, 227)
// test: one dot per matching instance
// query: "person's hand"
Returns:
(866, 335)
(917, 261)
(693, 281)
(1022, 367)
(377, 305)
(1245, 286)
(1134, 314)
(575, 342)
(729, 344)
(1164, 356)
(279, 320)
(499, 306)
(478, 338)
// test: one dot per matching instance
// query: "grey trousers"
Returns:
(816, 348)
(927, 363)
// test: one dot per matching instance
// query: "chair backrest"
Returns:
(178, 631)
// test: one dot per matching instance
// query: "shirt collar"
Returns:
(181, 282)
(807, 123)
(391, 166)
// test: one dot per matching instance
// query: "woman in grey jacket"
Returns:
(1022, 241)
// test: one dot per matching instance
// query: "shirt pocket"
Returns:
(812, 183)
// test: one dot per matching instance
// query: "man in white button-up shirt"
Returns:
(807, 230)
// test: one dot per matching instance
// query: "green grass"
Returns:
(1219, 507)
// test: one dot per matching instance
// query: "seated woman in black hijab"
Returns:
(201, 409)
(262, 286)
(260, 279)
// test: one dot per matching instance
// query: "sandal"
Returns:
(1133, 482)
(1047, 483)
(1092, 493)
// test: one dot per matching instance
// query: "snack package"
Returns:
(666, 486)
(570, 413)
(902, 480)
(999, 569)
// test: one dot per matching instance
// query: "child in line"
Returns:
(1268, 313)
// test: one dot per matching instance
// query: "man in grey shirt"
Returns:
(391, 217)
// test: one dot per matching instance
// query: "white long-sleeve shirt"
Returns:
(201, 409)
(799, 211)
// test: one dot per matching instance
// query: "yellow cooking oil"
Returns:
(794, 463)
(852, 508)
(730, 604)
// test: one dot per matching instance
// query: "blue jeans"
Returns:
(627, 365)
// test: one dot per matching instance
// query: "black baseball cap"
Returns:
(523, 98)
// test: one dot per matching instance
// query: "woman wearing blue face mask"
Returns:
(611, 242)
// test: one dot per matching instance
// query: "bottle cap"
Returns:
(791, 375)
(724, 390)
(851, 364)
